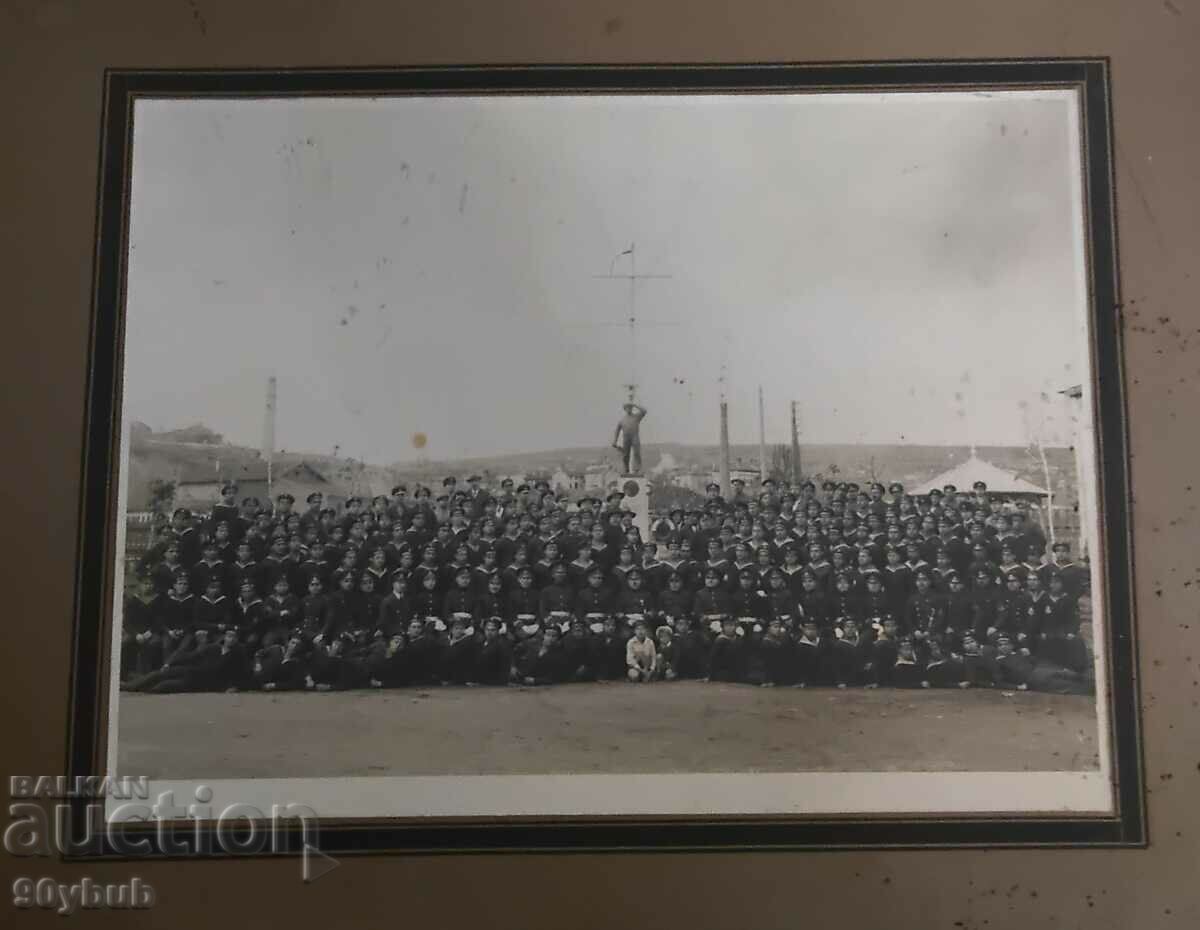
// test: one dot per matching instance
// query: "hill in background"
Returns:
(197, 450)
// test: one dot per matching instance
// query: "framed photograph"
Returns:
(656, 457)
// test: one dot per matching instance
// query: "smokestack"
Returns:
(268, 440)
(725, 489)
(762, 439)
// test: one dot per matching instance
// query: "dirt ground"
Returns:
(601, 728)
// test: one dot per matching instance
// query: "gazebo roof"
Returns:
(974, 469)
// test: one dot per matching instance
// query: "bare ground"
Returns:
(601, 728)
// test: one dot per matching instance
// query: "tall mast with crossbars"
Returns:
(632, 319)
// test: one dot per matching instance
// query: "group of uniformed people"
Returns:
(836, 585)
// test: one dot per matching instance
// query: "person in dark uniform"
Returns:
(810, 654)
(897, 581)
(314, 607)
(285, 666)
(213, 611)
(418, 535)
(141, 639)
(209, 568)
(943, 669)
(176, 616)
(187, 538)
(579, 652)
(814, 601)
(925, 612)
(494, 665)
(461, 654)
(608, 647)
(1016, 668)
(283, 508)
(776, 655)
(207, 666)
(162, 576)
(747, 602)
(849, 656)
(942, 570)
(726, 659)
(312, 515)
(595, 597)
(780, 603)
(908, 671)
(882, 655)
(395, 610)
(274, 565)
(427, 602)
(460, 599)
(428, 566)
(282, 610)
(247, 517)
(248, 615)
(1059, 641)
(344, 663)
(1010, 607)
(315, 566)
(690, 649)
(581, 566)
(227, 511)
(712, 602)
(542, 661)
(522, 601)
(491, 601)
(1030, 536)
(960, 611)
(678, 563)
(793, 571)
(339, 608)
(425, 654)
(387, 664)
(675, 601)
(1075, 576)
(635, 600)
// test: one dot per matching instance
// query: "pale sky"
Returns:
(907, 266)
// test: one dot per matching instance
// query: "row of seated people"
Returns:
(563, 648)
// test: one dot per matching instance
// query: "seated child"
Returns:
(640, 654)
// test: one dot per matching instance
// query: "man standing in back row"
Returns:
(626, 439)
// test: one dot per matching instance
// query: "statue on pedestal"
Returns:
(626, 439)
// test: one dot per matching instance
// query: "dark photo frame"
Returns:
(95, 583)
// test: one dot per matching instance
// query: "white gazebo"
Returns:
(974, 469)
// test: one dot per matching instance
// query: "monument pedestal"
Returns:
(637, 499)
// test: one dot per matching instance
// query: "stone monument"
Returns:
(632, 483)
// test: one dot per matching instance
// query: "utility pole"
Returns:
(725, 487)
(1081, 438)
(762, 438)
(796, 476)
(1049, 488)
(268, 442)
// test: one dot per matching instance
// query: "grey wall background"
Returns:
(52, 57)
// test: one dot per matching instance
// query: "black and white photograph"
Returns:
(612, 453)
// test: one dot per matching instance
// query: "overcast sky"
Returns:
(907, 266)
